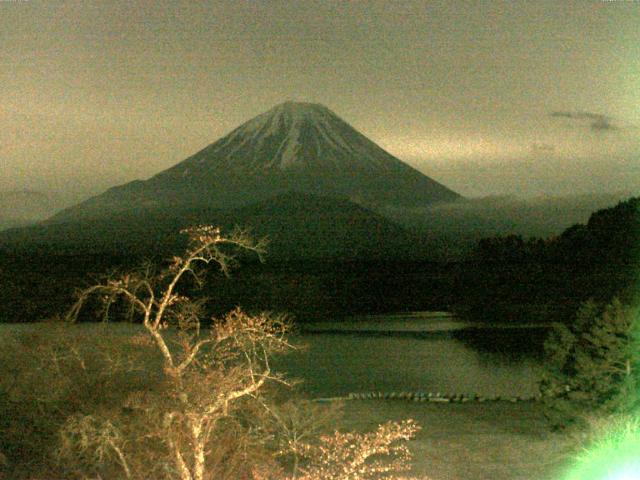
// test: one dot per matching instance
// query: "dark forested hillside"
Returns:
(325, 256)
(512, 279)
(331, 257)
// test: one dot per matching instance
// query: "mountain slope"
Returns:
(293, 147)
(298, 226)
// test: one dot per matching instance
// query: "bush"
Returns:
(52, 371)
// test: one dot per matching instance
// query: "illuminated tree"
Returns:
(608, 449)
(382, 454)
(209, 417)
(209, 373)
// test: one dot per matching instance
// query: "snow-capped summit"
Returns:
(294, 146)
(292, 135)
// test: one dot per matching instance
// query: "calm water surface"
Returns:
(412, 354)
(400, 355)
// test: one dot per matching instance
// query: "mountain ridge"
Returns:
(294, 146)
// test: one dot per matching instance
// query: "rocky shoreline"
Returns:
(431, 397)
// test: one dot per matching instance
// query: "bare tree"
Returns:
(296, 424)
(209, 418)
(208, 372)
(98, 439)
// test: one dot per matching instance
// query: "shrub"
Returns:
(593, 365)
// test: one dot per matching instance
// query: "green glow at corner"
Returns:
(616, 458)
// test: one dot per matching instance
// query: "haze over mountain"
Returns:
(302, 147)
(21, 207)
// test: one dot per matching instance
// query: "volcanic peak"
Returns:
(294, 146)
(290, 136)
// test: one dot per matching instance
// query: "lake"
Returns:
(501, 441)
(422, 351)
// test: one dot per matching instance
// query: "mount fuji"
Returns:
(294, 147)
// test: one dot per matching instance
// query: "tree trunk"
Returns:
(198, 451)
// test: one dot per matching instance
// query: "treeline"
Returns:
(38, 286)
(506, 278)
(325, 258)
(512, 279)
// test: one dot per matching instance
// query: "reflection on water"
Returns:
(486, 362)
(505, 345)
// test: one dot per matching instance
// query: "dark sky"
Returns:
(524, 97)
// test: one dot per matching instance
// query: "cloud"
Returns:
(597, 121)
(542, 147)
